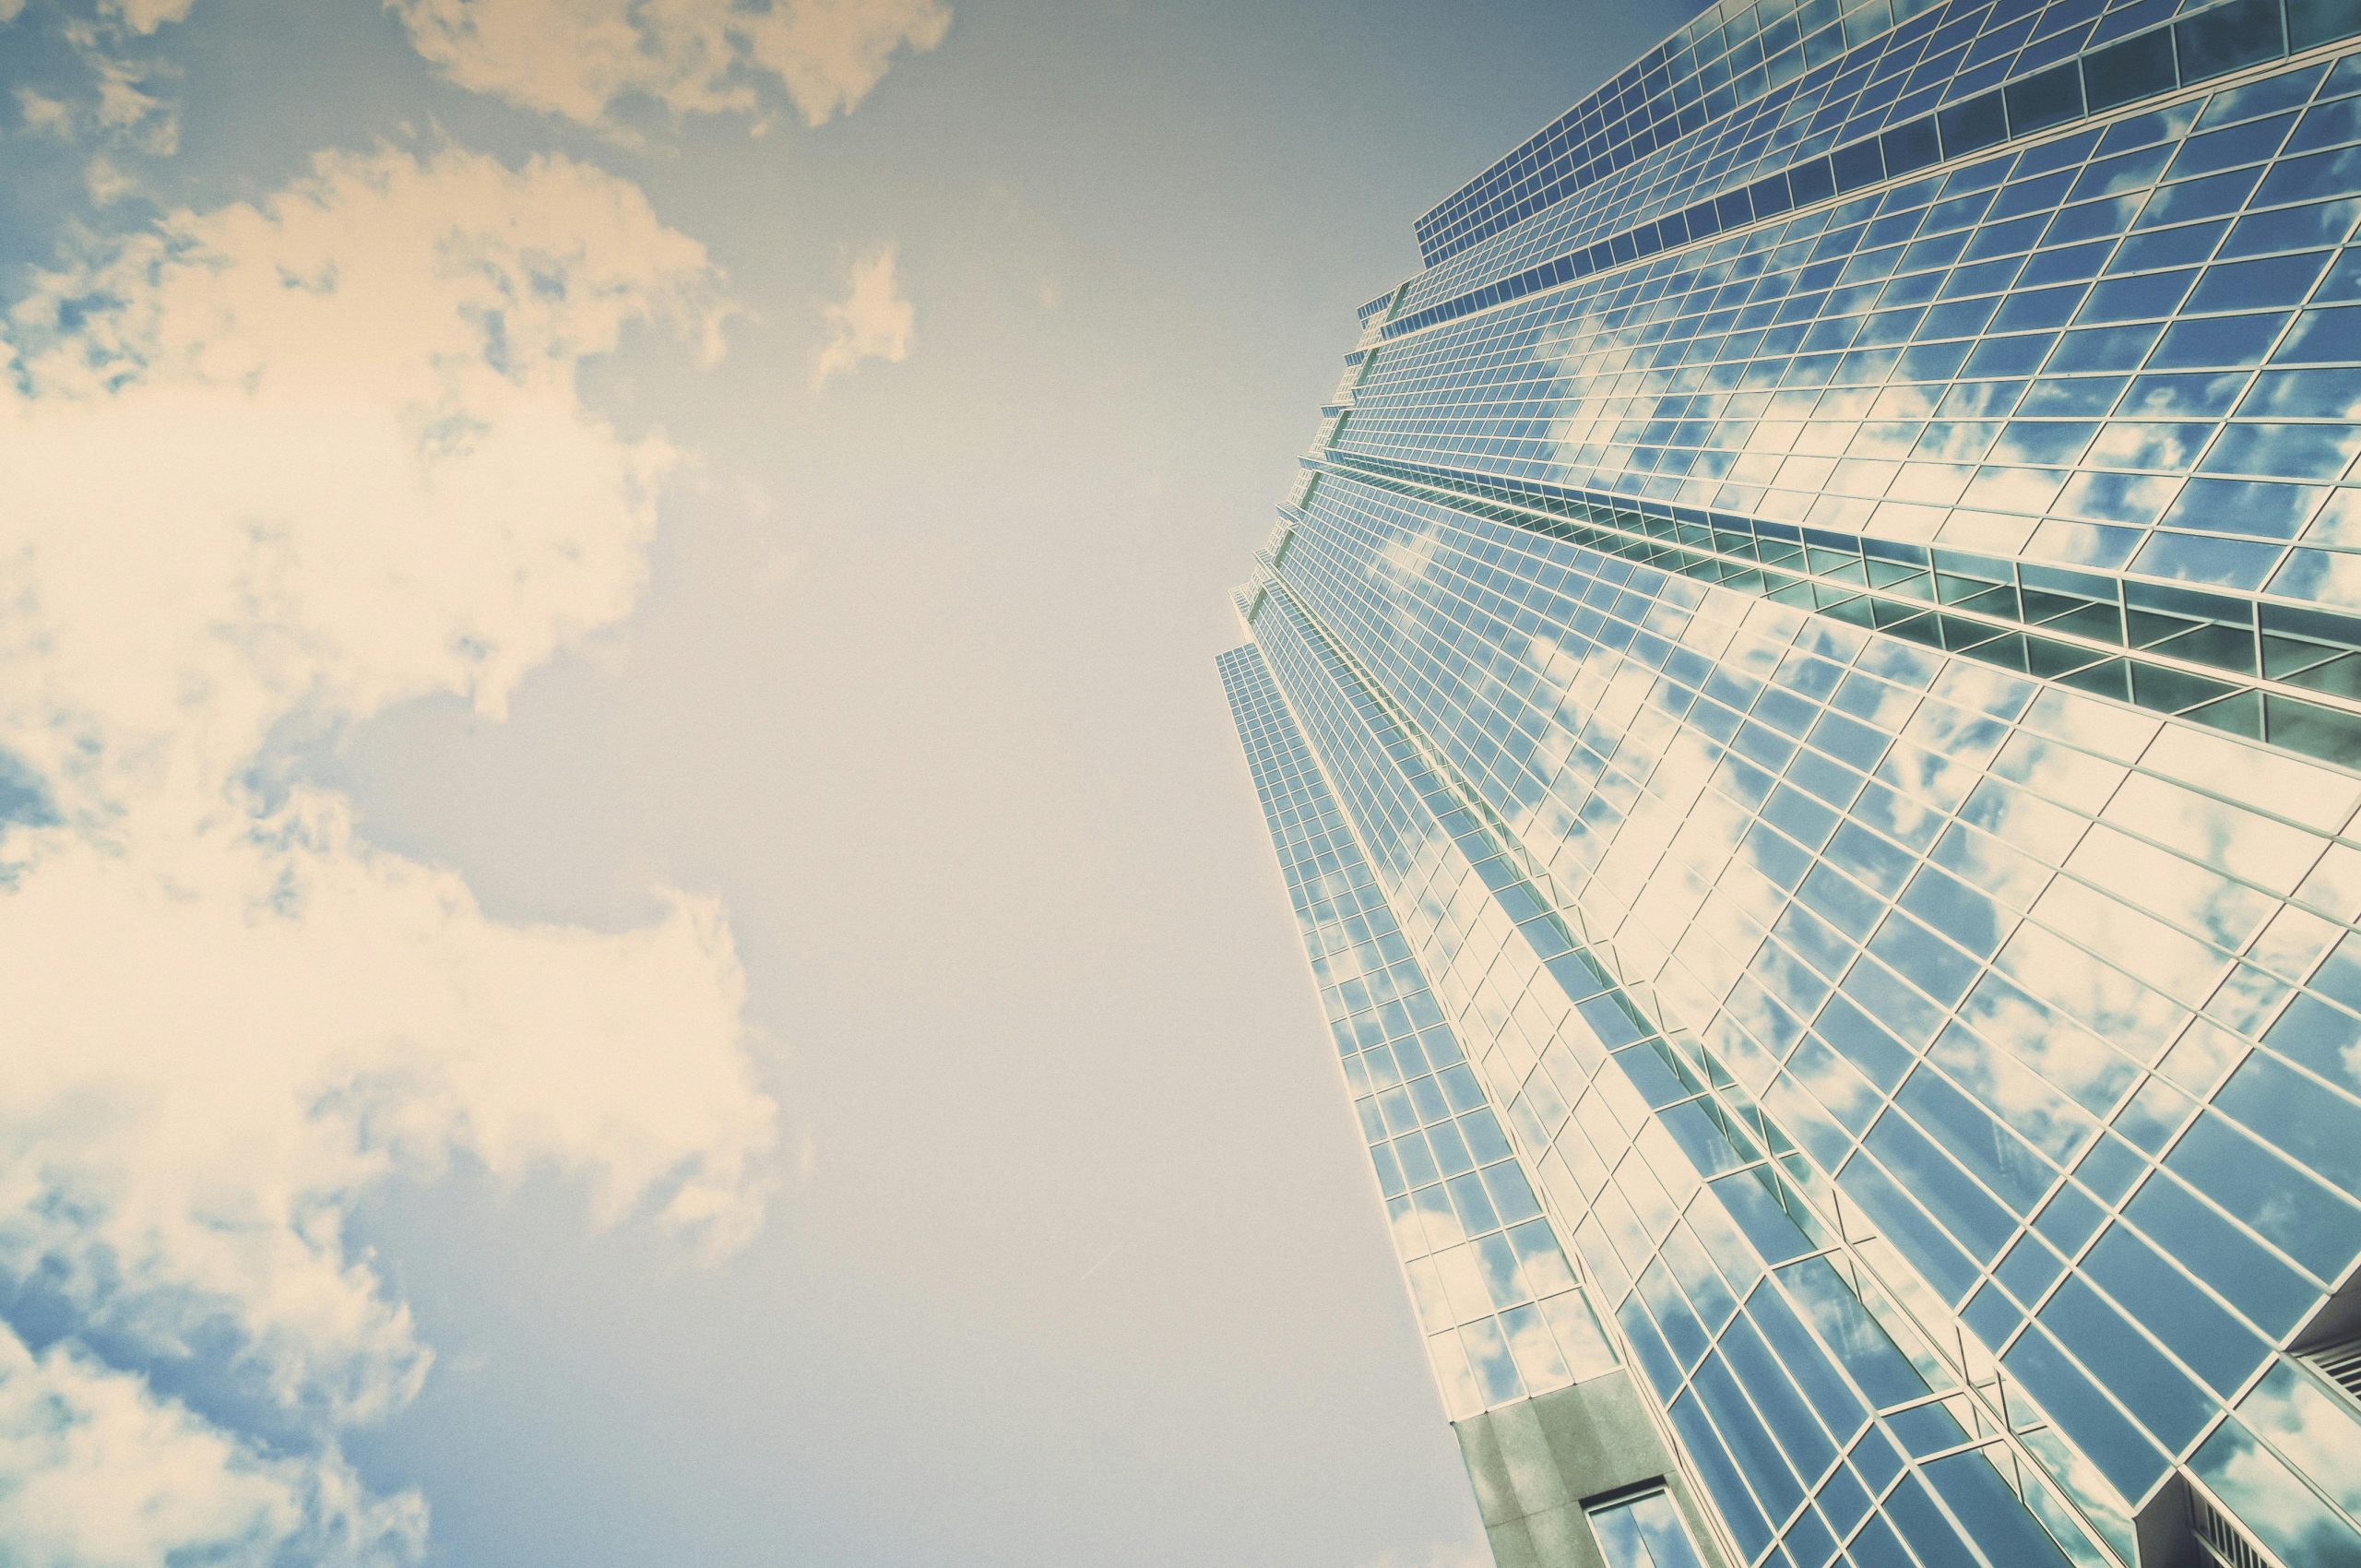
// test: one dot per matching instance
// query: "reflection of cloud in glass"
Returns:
(2268, 1498)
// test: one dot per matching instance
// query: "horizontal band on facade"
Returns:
(2288, 675)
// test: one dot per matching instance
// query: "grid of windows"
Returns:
(2126, 349)
(1748, 54)
(1850, 728)
(1924, 930)
(1800, 1388)
(1503, 1315)
(1978, 72)
(2194, 50)
(2164, 647)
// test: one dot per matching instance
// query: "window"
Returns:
(1643, 1532)
(2134, 68)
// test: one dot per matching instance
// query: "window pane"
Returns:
(1645, 1532)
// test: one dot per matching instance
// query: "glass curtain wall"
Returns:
(1809, 697)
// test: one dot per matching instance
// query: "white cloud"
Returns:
(45, 115)
(113, 106)
(871, 322)
(108, 182)
(289, 463)
(147, 15)
(103, 1475)
(124, 107)
(830, 52)
(579, 58)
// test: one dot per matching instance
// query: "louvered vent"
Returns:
(2341, 1364)
(2225, 1543)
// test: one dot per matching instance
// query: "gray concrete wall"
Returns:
(1535, 1463)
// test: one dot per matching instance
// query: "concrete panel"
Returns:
(1536, 1464)
(1512, 1546)
(1479, 1448)
(1533, 1466)
(1602, 1439)
(1562, 1538)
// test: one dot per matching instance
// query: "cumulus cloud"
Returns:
(272, 468)
(871, 322)
(101, 1474)
(580, 58)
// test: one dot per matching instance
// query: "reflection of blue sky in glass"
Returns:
(1646, 1532)
(1755, 596)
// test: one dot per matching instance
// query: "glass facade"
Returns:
(1642, 1532)
(1809, 699)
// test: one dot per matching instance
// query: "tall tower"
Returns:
(1809, 699)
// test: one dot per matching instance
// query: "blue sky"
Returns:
(651, 945)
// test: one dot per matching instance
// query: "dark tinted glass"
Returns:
(1811, 181)
(1977, 124)
(1910, 146)
(2050, 99)
(1857, 166)
(2133, 68)
(2318, 21)
(2219, 41)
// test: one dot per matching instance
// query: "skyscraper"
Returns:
(1809, 699)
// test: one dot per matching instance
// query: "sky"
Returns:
(634, 931)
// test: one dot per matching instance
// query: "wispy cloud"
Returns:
(107, 182)
(871, 322)
(147, 15)
(276, 466)
(107, 99)
(580, 58)
(124, 107)
(43, 115)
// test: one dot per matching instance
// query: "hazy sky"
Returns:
(635, 930)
